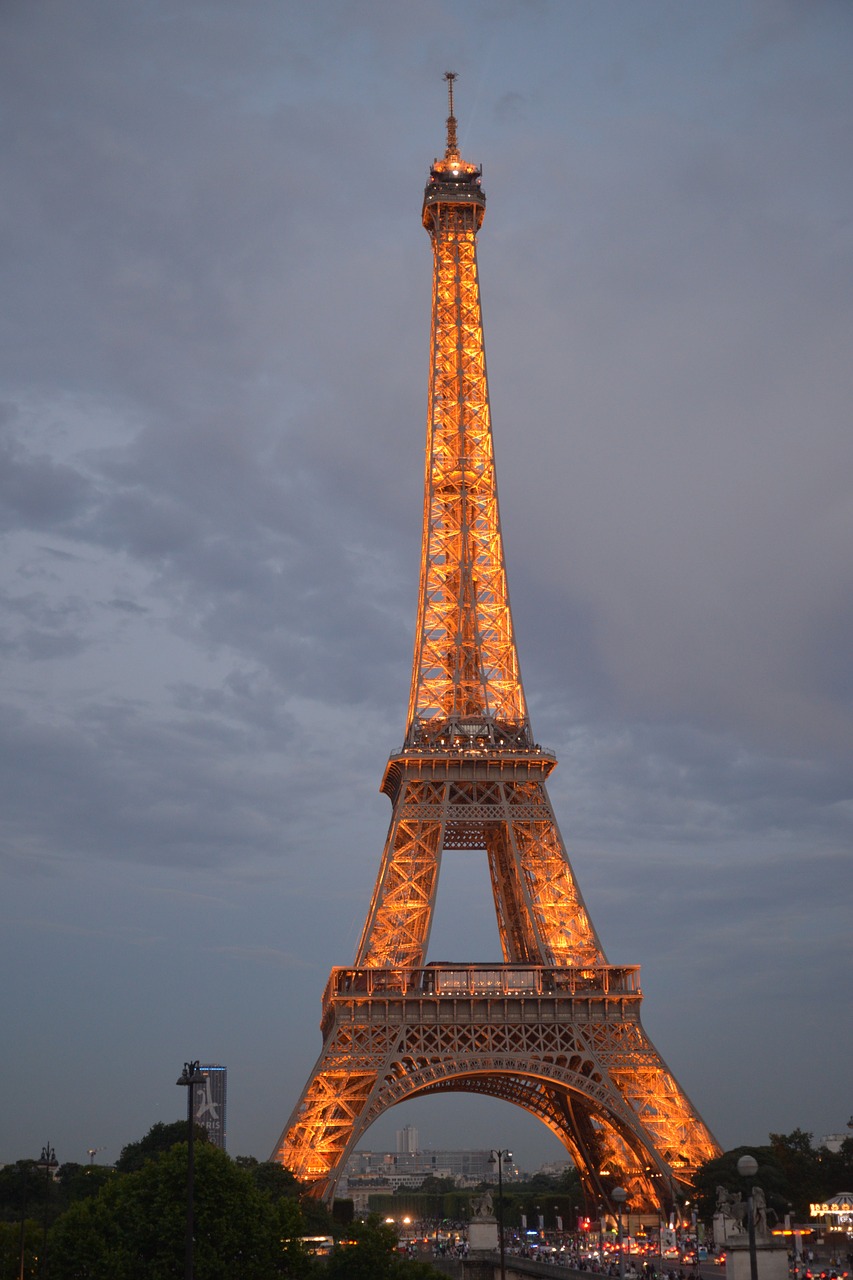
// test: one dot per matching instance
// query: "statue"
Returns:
(482, 1207)
(724, 1200)
(730, 1215)
(759, 1211)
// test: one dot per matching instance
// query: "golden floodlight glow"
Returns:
(553, 1028)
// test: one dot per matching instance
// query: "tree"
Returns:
(80, 1182)
(432, 1185)
(370, 1253)
(722, 1172)
(10, 1249)
(159, 1138)
(280, 1184)
(22, 1184)
(791, 1171)
(134, 1229)
(838, 1167)
(812, 1174)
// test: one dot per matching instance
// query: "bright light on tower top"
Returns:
(452, 181)
(453, 164)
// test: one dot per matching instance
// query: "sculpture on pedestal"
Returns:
(483, 1207)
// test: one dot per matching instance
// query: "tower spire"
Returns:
(451, 151)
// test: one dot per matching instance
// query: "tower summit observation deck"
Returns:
(552, 1028)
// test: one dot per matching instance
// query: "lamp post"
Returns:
(46, 1161)
(498, 1157)
(188, 1079)
(25, 1170)
(747, 1167)
(620, 1195)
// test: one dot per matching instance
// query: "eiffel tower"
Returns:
(554, 1029)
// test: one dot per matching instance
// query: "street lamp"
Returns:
(46, 1161)
(747, 1167)
(498, 1157)
(188, 1079)
(620, 1195)
(25, 1166)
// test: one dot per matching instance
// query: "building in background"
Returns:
(210, 1102)
(407, 1140)
(372, 1173)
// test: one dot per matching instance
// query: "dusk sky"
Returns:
(213, 390)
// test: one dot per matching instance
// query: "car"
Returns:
(720, 1258)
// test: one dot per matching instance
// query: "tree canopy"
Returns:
(370, 1253)
(792, 1172)
(159, 1139)
(134, 1229)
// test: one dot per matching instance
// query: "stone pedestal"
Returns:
(772, 1261)
(483, 1236)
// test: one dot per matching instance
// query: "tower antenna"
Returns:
(452, 149)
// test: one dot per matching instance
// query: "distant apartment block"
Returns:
(407, 1140)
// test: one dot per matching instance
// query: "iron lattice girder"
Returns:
(587, 1133)
(487, 799)
(465, 656)
(551, 1040)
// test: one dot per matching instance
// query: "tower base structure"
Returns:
(565, 1044)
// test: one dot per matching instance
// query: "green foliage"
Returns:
(432, 1185)
(811, 1173)
(370, 1253)
(722, 1172)
(135, 1228)
(343, 1213)
(417, 1204)
(280, 1184)
(10, 1249)
(159, 1138)
(22, 1184)
(569, 1185)
(80, 1182)
(792, 1172)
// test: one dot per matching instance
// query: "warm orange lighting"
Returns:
(554, 1029)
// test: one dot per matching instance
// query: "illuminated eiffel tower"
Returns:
(554, 1028)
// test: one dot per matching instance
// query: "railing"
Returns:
(455, 980)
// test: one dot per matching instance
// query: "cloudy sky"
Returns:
(213, 377)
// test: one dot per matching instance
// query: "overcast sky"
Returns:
(213, 386)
